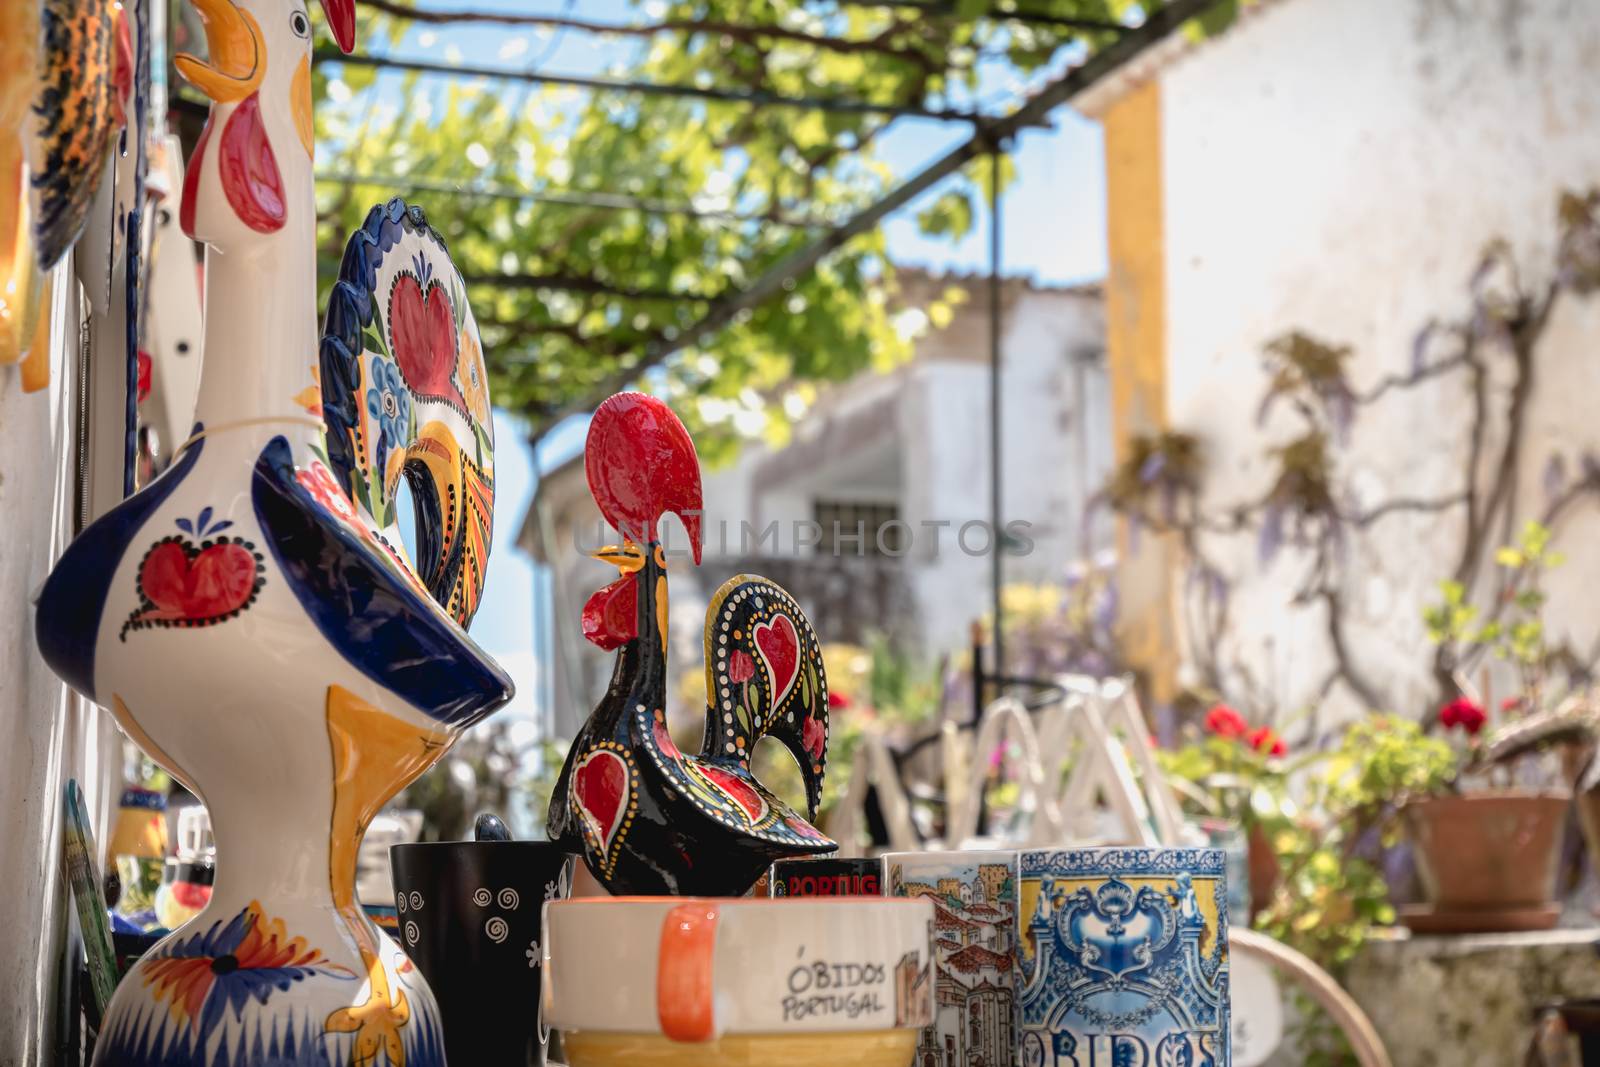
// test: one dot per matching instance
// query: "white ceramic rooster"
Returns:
(255, 630)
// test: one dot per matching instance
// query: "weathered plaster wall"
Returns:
(1478, 995)
(46, 734)
(1337, 166)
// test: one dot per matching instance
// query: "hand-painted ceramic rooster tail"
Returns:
(649, 819)
(258, 632)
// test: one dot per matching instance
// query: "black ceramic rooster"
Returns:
(647, 818)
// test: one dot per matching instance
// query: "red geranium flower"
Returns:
(1463, 713)
(838, 702)
(1510, 704)
(1225, 722)
(1265, 739)
(741, 668)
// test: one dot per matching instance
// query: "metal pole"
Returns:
(468, 187)
(599, 83)
(998, 13)
(996, 474)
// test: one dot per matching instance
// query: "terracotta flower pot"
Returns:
(1589, 823)
(1488, 852)
(1264, 870)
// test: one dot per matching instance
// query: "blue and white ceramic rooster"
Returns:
(252, 618)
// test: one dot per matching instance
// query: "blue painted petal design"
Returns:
(218, 940)
(288, 1039)
(350, 313)
(378, 621)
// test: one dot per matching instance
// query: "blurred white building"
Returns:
(897, 465)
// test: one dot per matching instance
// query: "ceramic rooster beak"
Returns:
(626, 557)
(233, 38)
(342, 19)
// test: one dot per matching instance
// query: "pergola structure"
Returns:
(989, 136)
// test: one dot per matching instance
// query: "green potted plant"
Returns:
(1332, 892)
(1237, 775)
(1316, 821)
(1488, 845)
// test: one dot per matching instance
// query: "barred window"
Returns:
(859, 528)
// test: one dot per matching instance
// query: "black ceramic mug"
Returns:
(470, 914)
(827, 876)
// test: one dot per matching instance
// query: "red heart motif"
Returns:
(664, 741)
(423, 331)
(736, 790)
(600, 787)
(181, 583)
(779, 645)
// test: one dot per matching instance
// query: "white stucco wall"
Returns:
(1337, 166)
(46, 733)
(1055, 451)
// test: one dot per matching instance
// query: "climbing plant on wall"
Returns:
(1491, 352)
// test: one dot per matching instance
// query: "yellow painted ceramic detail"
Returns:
(19, 297)
(872, 1048)
(234, 40)
(300, 105)
(1136, 340)
(1204, 898)
(36, 365)
(375, 755)
(310, 398)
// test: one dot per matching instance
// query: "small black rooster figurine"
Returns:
(647, 818)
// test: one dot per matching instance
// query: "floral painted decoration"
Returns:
(222, 969)
(472, 374)
(319, 482)
(405, 391)
(388, 410)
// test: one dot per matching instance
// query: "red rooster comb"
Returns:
(342, 20)
(641, 464)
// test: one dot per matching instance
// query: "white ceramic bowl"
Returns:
(684, 982)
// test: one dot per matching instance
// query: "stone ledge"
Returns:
(1469, 999)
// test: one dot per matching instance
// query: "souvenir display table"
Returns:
(249, 612)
